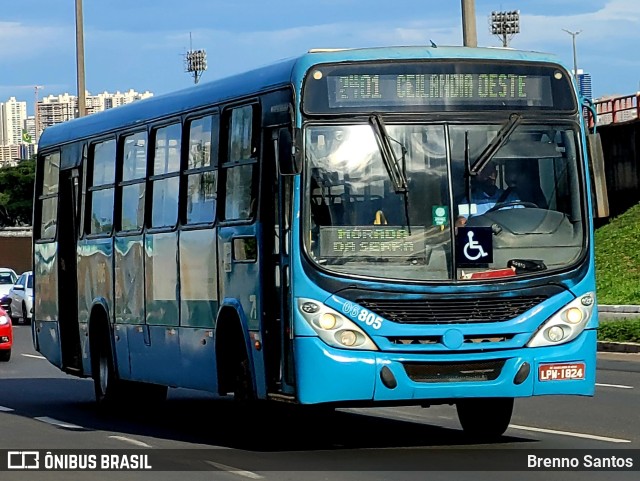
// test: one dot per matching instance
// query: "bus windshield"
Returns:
(526, 199)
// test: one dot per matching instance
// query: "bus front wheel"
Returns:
(485, 418)
(243, 391)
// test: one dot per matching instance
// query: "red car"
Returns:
(6, 335)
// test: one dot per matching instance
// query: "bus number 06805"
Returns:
(370, 319)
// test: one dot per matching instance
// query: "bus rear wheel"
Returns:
(105, 382)
(485, 418)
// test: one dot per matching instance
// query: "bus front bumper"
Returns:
(326, 374)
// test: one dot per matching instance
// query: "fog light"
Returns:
(573, 315)
(555, 334)
(587, 300)
(327, 321)
(348, 338)
(310, 307)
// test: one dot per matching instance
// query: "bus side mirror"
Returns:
(289, 157)
(598, 178)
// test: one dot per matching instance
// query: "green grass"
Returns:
(623, 330)
(617, 247)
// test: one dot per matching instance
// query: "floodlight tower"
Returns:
(195, 62)
(505, 25)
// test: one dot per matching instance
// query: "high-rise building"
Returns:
(56, 109)
(10, 154)
(12, 116)
(584, 84)
(30, 130)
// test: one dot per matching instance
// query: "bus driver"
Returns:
(485, 194)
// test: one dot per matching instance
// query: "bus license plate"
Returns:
(561, 372)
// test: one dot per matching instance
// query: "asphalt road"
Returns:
(193, 435)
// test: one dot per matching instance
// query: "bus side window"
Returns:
(242, 153)
(132, 185)
(239, 187)
(201, 173)
(166, 180)
(102, 161)
(49, 197)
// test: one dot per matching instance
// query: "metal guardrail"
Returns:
(618, 311)
(616, 110)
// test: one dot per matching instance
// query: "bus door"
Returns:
(275, 216)
(68, 229)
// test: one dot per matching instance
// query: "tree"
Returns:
(16, 193)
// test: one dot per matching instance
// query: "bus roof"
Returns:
(279, 74)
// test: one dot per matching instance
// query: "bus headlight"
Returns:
(328, 321)
(333, 328)
(566, 324)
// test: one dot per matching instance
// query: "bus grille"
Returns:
(431, 340)
(447, 311)
(454, 371)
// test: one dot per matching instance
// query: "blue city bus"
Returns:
(307, 232)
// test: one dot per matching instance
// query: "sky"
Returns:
(140, 44)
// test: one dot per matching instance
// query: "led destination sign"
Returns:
(371, 241)
(437, 86)
(443, 86)
(437, 89)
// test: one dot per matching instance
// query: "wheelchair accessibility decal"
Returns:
(474, 245)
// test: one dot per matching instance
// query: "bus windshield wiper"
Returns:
(395, 168)
(391, 162)
(496, 143)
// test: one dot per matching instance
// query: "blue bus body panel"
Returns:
(48, 339)
(326, 374)
(155, 354)
(197, 359)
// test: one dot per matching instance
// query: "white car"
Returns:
(21, 295)
(8, 278)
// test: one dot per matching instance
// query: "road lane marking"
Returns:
(6, 410)
(569, 433)
(232, 470)
(619, 386)
(34, 356)
(135, 442)
(58, 423)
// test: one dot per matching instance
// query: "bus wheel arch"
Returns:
(235, 373)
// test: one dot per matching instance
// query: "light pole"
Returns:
(575, 57)
(469, 34)
(505, 25)
(82, 100)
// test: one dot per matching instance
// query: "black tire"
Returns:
(107, 386)
(5, 355)
(25, 314)
(485, 418)
(243, 391)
